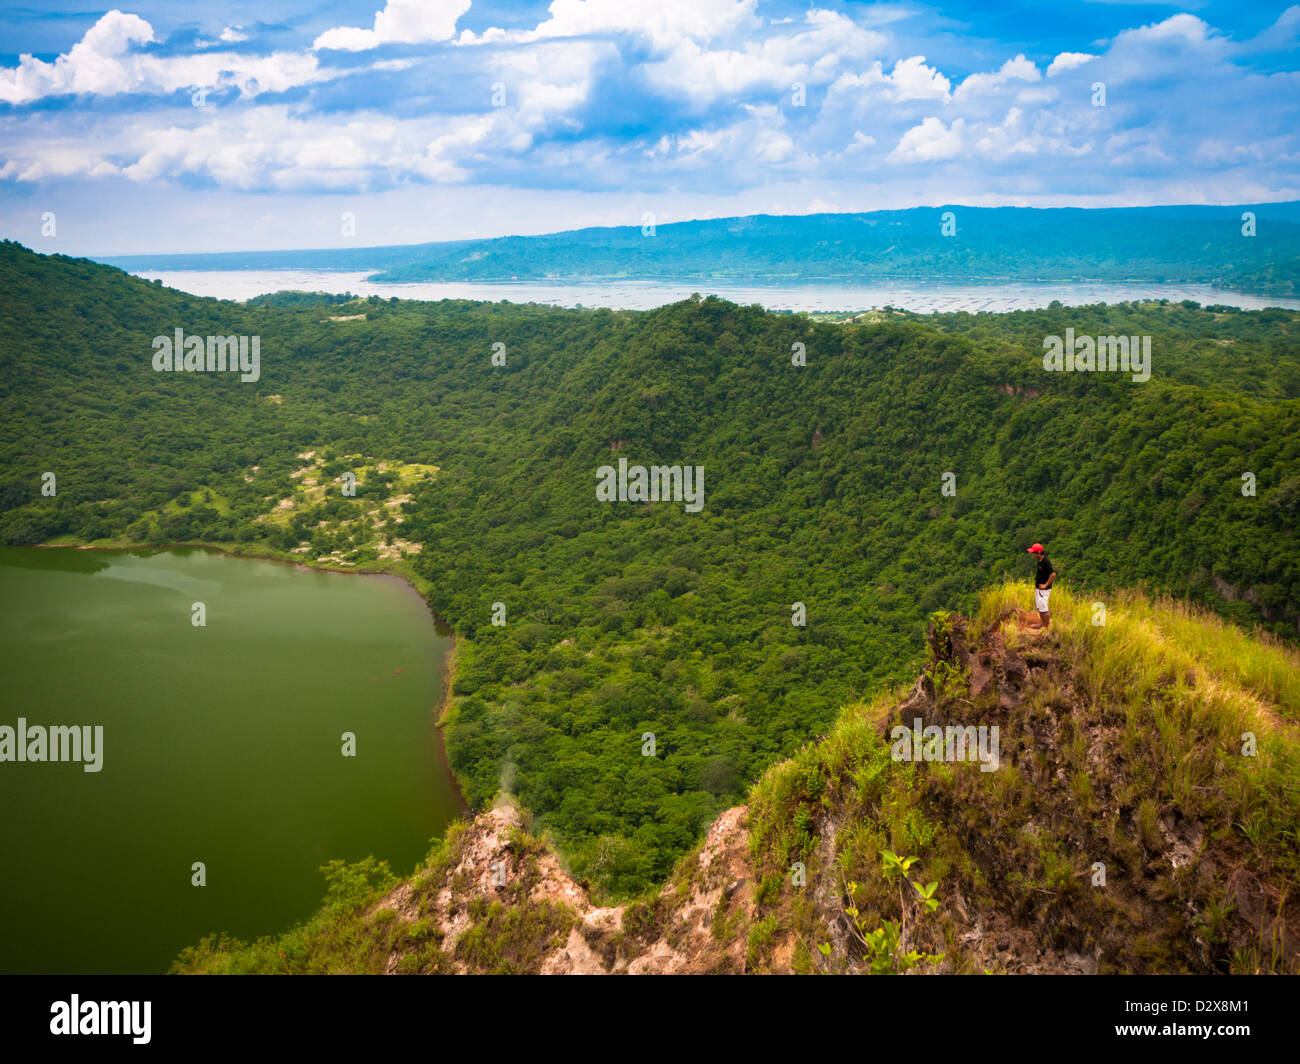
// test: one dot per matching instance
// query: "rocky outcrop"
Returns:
(494, 861)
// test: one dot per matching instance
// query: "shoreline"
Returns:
(800, 293)
(441, 627)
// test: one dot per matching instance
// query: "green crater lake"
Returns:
(221, 744)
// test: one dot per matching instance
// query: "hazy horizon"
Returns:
(112, 258)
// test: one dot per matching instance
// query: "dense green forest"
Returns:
(824, 486)
(1175, 244)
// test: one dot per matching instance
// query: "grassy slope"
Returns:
(1125, 746)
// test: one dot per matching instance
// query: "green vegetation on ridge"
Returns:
(822, 487)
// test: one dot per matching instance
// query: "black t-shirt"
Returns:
(1045, 570)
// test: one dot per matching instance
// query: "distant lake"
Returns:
(221, 744)
(919, 296)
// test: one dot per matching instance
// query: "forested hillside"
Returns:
(1205, 244)
(823, 486)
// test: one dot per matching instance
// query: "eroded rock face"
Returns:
(492, 862)
(1168, 881)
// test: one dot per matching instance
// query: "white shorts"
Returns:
(1040, 598)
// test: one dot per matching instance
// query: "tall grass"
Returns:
(1163, 634)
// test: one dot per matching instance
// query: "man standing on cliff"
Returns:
(1042, 586)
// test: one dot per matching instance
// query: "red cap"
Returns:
(1037, 548)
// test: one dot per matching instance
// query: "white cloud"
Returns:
(59, 160)
(233, 35)
(103, 63)
(911, 79)
(269, 147)
(810, 55)
(112, 35)
(547, 81)
(439, 162)
(1068, 61)
(1017, 69)
(1017, 135)
(931, 141)
(664, 22)
(1180, 53)
(1284, 33)
(1188, 27)
(1137, 150)
(93, 65)
(401, 21)
(733, 150)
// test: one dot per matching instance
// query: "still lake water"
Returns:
(917, 296)
(221, 744)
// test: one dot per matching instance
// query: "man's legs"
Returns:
(1046, 619)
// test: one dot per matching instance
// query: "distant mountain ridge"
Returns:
(1177, 244)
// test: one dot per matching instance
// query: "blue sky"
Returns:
(447, 119)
